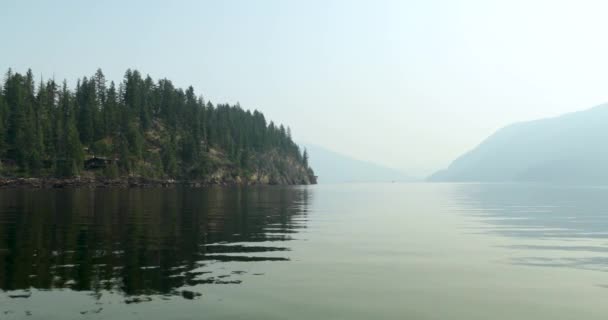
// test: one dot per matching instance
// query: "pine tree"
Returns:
(99, 88)
(305, 158)
(86, 99)
(69, 159)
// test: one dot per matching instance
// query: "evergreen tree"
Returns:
(3, 116)
(69, 157)
(305, 158)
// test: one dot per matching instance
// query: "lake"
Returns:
(352, 251)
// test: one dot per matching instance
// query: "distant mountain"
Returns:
(572, 148)
(332, 167)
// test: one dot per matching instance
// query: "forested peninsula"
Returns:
(140, 131)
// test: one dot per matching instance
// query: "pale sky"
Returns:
(407, 84)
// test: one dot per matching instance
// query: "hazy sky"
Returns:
(408, 84)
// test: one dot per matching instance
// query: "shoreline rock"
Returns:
(130, 182)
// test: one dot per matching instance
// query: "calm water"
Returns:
(360, 251)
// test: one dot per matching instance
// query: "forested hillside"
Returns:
(141, 128)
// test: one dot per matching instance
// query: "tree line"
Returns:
(148, 128)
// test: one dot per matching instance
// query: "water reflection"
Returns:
(142, 242)
(553, 226)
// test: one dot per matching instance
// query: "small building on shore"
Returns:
(99, 162)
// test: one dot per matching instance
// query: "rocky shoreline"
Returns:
(126, 182)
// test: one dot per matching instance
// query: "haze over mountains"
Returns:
(332, 167)
(568, 149)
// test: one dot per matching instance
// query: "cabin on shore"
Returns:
(99, 162)
(8, 162)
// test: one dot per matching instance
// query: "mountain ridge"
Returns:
(334, 167)
(566, 148)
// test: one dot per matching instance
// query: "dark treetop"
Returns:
(139, 128)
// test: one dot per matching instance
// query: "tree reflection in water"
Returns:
(142, 242)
